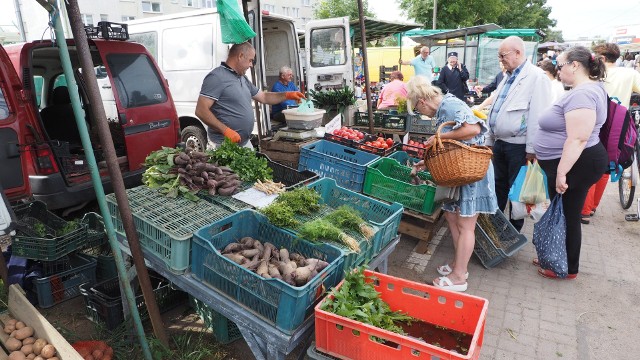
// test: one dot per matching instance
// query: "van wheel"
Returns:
(194, 137)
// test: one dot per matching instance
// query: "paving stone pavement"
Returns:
(596, 316)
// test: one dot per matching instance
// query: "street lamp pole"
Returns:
(435, 13)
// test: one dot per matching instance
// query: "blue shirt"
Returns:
(423, 67)
(279, 87)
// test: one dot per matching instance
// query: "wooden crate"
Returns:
(21, 309)
(284, 152)
(421, 226)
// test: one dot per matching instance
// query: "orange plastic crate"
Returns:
(348, 339)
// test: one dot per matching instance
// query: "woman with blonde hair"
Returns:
(475, 198)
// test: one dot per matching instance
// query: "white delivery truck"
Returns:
(187, 46)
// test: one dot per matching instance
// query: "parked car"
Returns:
(40, 151)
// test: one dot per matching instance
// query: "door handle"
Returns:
(106, 86)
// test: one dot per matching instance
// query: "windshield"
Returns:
(328, 47)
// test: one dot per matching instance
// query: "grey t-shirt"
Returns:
(553, 127)
(233, 95)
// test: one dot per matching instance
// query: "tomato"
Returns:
(389, 142)
(368, 143)
(384, 145)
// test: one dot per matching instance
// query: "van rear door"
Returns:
(145, 107)
(328, 54)
(12, 157)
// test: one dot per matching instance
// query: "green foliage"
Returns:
(453, 14)
(280, 214)
(358, 300)
(302, 200)
(326, 9)
(68, 227)
(338, 99)
(40, 229)
(243, 161)
(346, 218)
(554, 35)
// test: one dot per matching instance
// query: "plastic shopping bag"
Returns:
(306, 106)
(534, 189)
(531, 211)
(516, 187)
(550, 239)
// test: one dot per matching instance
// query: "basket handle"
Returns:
(438, 142)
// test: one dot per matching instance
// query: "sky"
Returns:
(576, 18)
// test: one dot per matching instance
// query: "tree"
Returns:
(338, 8)
(554, 35)
(453, 14)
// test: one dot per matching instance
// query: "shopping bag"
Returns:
(445, 194)
(550, 237)
(528, 211)
(516, 187)
(534, 189)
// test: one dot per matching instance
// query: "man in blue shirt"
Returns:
(284, 83)
(423, 64)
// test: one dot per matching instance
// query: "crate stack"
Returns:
(55, 246)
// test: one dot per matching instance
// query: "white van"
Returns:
(187, 47)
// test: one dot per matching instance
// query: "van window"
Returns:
(61, 80)
(38, 82)
(136, 79)
(183, 51)
(328, 47)
(149, 40)
(4, 107)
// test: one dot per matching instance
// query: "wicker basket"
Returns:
(452, 163)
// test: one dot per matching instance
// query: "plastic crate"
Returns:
(96, 234)
(362, 118)
(395, 121)
(415, 151)
(31, 245)
(165, 225)
(350, 339)
(106, 263)
(277, 302)
(403, 158)
(417, 125)
(340, 140)
(65, 285)
(226, 202)
(347, 166)
(386, 217)
(389, 180)
(374, 150)
(103, 301)
(509, 239)
(224, 330)
(290, 177)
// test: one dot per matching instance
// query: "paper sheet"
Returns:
(255, 197)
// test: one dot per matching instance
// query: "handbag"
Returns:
(550, 239)
(445, 194)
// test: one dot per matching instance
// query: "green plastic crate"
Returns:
(388, 180)
(65, 285)
(164, 225)
(30, 244)
(225, 330)
(96, 234)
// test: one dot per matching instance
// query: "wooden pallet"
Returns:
(421, 226)
(284, 152)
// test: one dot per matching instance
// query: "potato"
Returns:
(9, 328)
(24, 333)
(13, 344)
(97, 354)
(48, 351)
(31, 356)
(54, 358)
(29, 340)
(17, 355)
(11, 322)
(13, 333)
(38, 345)
(38, 357)
(20, 325)
(27, 349)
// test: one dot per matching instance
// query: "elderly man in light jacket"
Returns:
(518, 102)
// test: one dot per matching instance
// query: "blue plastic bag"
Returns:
(514, 192)
(550, 239)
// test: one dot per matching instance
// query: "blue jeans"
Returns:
(507, 160)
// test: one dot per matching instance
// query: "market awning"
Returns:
(426, 36)
(379, 29)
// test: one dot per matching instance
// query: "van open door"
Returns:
(328, 54)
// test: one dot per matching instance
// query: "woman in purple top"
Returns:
(567, 144)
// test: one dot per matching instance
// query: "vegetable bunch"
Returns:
(267, 261)
(321, 229)
(358, 299)
(347, 218)
(301, 201)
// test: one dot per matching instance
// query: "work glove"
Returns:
(294, 95)
(232, 135)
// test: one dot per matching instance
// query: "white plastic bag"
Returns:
(528, 211)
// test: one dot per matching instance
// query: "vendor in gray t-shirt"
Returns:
(224, 104)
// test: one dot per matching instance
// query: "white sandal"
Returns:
(445, 270)
(446, 283)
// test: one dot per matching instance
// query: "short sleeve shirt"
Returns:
(552, 134)
(423, 67)
(233, 95)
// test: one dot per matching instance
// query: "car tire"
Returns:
(194, 137)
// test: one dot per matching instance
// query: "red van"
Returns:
(40, 151)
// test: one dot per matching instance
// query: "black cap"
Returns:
(453, 53)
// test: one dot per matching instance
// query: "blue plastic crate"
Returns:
(224, 330)
(327, 159)
(65, 285)
(386, 217)
(496, 239)
(277, 302)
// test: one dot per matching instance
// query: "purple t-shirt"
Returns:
(552, 135)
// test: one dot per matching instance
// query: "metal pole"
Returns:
(435, 13)
(365, 64)
(18, 9)
(101, 122)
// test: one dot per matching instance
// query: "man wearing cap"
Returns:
(224, 104)
(453, 77)
(517, 103)
(423, 64)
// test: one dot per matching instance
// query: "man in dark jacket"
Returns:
(453, 77)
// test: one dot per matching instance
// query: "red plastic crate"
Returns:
(348, 339)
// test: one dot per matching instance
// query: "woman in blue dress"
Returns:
(475, 198)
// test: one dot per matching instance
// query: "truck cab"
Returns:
(40, 150)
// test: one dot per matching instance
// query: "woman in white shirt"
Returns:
(557, 88)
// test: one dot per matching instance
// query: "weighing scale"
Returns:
(298, 135)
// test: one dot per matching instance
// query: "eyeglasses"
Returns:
(559, 66)
(502, 56)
